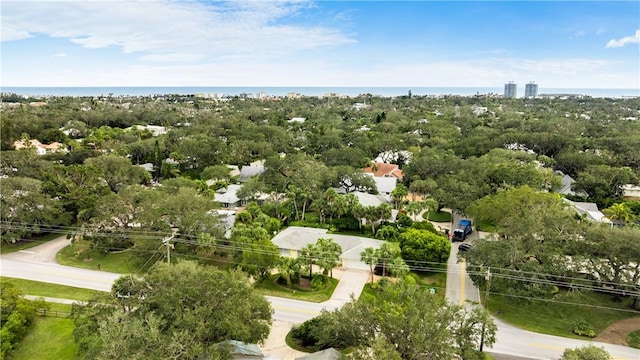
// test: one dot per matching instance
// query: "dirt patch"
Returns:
(617, 332)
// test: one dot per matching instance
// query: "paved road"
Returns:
(511, 341)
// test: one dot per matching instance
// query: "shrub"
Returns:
(346, 223)
(318, 281)
(425, 225)
(583, 328)
(403, 220)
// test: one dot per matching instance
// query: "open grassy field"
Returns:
(120, 263)
(50, 338)
(51, 290)
(557, 317)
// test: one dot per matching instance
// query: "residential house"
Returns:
(40, 148)
(228, 218)
(381, 169)
(228, 197)
(299, 120)
(394, 156)
(253, 169)
(243, 351)
(291, 240)
(385, 185)
(326, 354)
(631, 192)
(589, 210)
(567, 186)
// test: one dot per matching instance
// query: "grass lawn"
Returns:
(486, 227)
(51, 290)
(557, 318)
(439, 216)
(272, 288)
(120, 263)
(436, 280)
(50, 338)
(633, 339)
(28, 243)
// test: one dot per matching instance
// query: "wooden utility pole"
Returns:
(169, 246)
(486, 300)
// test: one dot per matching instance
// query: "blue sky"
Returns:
(593, 44)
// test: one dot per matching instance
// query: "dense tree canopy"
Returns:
(179, 311)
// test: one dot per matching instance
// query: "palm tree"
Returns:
(386, 252)
(398, 267)
(359, 212)
(429, 205)
(370, 257)
(620, 213)
(340, 206)
(288, 268)
(414, 208)
(309, 253)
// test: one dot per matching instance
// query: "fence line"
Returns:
(53, 313)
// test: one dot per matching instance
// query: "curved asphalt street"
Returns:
(512, 340)
(38, 264)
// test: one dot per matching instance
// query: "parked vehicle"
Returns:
(464, 247)
(464, 228)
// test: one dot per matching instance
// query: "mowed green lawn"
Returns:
(37, 288)
(270, 287)
(50, 338)
(120, 263)
(558, 317)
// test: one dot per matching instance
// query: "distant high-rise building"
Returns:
(510, 90)
(531, 90)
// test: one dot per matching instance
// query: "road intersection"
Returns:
(38, 264)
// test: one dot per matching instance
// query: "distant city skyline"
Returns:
(592, 44)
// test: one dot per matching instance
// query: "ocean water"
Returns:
(306, 91)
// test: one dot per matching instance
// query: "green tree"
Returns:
(409, 321)
(414, 208)
(604, 181)
(18, 314)
(398, 268)
(398, 194)
(26, 210)
(418, 246)
(328, 254)
(387, 252)
(369, 256)
(587, 352)
(180, 311)
(619, 213)
(289, 269)
(117, 171)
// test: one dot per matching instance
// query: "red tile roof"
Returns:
(385, 170)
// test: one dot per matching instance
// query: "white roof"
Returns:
(366, 199)
(590, 209)
(296, 237)
(251, 170)
(228, 195)
(384, 184)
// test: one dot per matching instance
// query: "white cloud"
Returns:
(579, 33)
(171, 30)
(635, 39)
